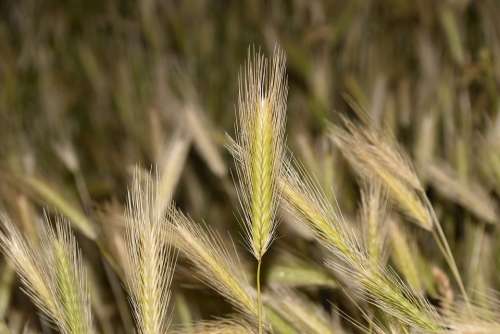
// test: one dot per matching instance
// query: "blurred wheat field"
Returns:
(250, 167)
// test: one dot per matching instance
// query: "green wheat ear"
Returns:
(72, 288)
(52, 273)
(261, 127)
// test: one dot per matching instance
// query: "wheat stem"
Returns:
(259, 298)
(444, 247)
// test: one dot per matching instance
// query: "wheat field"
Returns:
(255, 167)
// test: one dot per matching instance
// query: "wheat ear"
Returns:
(381, 287)
(373, 215)
(215, 266)
(219, 269)
(261, 118)
(150, 261)
(52, 273)
(261, 127)
(70, 282)
(375, 156)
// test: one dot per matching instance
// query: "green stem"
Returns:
(443, 245)
(259, 297)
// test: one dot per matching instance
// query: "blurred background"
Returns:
(89, 89)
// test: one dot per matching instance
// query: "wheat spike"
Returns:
(70, 278)
(381, 287)
(22, 254)
(221, 271)
(260, 127)
(373, 215)
(306, 200)
(150, 261)
(52, 273)
(216, 267)
(376, 158)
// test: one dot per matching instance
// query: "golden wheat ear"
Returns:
(375, 157)
(150, 261)
(52, 273)
(260, 134)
